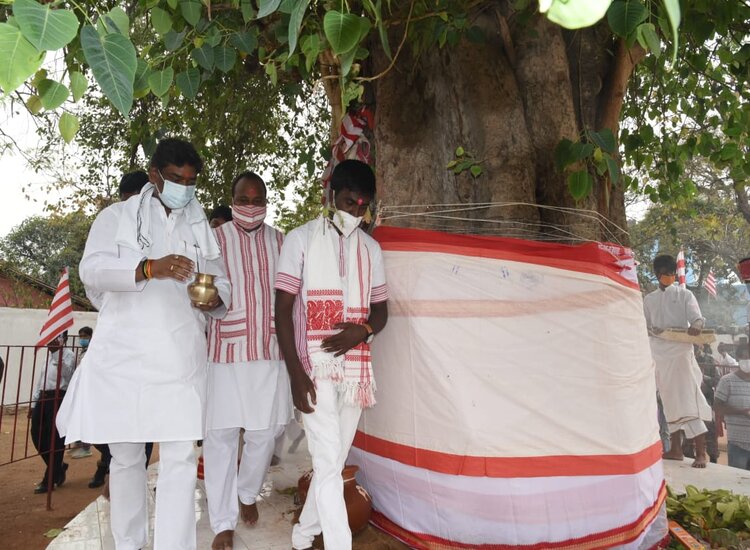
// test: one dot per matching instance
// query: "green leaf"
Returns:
(204, 56)
(78, 85)
(160, 81)
(245, 41)
(346, 60)
(191, 11)
(460, 151)
(161, 21)
(672, 8)
(343, 30)
(142, 73)
(173, 40)
(604, 139)
(580, 184)
(117, 21)
(188, 82)
(113, 61)
(68, 126)
(383, 33)
(576, 14)
(476, 170)
(624, 16)
(19, 59)
(173, 4)
(648, 39)
(614, 170)
(295, 23)
(34, 104)
(224, 58)
(53, 94)
(311, 48)
(247, 9)
(267, 7)
(272, 73)
(45, 28)
(563, 155)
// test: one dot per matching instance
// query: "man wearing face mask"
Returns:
(248, 386)
(678, 376)
(331, 301)
(732, 399)
(144, 375)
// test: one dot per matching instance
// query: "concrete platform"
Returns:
(714, 476)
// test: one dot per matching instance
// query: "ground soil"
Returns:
(24, 518)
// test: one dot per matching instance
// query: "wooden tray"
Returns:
(706, 336)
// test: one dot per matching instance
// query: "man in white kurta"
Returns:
(248, 386)
(678, 376)
(144, 375)
(331, 300)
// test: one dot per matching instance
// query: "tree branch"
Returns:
(740, 196)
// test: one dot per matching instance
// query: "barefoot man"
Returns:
(678, 376)
(248, 386)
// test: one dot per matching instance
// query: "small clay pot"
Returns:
(358, 501)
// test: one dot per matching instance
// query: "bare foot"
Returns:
(700, 461)
(223, 540)
(249, 513)
(673, 455)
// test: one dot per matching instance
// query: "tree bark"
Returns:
(508, 100)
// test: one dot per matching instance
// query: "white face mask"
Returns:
(345, 222)
(745, 365)
(174, 195)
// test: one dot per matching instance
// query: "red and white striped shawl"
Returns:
(247, 333)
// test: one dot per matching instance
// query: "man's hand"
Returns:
(351, 335)
(694, 331)
(303, 392)
(173, 266)
(210, 306)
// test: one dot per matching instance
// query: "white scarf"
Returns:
(134, 230)
(327, 305)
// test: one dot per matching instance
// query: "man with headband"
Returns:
(248, 386)
(678, 376)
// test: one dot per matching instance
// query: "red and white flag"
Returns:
(60, 317)
(681, 268)
(710, 283)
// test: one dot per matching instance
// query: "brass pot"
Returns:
(202, 290)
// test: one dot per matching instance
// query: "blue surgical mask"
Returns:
(84, 342)
(174, 195)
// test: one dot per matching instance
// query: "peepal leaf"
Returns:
(68, 126)
(295, 23)
(45, 28)
(344, 30)
(204, 56)
(188, 82)
(580, 184)
(191, 11)
(19, 59)
(52, 94)
(78, 85)
(224, 58)
(160, 81)
(267, 7)
(113, 61)
(673, 13)
(624, 16)
(161, 21)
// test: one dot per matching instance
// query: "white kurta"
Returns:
(251, 394)
(144, 375)
(678, 376)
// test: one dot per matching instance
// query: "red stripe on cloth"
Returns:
(506, 467)
(605, 539)
(594, 258)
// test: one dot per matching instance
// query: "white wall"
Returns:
(19, 331)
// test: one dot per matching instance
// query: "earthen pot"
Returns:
(358, 501)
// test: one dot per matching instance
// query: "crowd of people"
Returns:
(696, 390)
(290, 325)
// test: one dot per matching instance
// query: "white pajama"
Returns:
(330, 431)
(174, 525)
(223, 481)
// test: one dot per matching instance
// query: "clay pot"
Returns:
(202, 291)
(358, 501)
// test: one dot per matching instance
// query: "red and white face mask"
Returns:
(248, 217)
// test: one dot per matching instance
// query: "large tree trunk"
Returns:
(509, 101)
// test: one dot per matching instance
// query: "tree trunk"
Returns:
(508, 100)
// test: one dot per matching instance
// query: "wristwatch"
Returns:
(370, 333)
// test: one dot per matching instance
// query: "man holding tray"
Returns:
(678, 376)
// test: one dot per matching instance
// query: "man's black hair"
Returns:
(251, 176)
(133, 182)
(222, 211)
(86, 330)
(353, 175)
(665, 262)
(178, 152)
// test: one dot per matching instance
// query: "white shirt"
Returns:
(47, 379)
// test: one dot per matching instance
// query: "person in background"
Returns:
(81, 449)
(726, 362)
(732, 399)
(711, 378)
(132, 183)
(219, 216)
(61, 362)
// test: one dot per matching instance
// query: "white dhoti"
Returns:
(678, 379)
(174, 527)
(251, 395)
(330, 430)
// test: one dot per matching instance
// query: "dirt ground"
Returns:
(24, 518)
